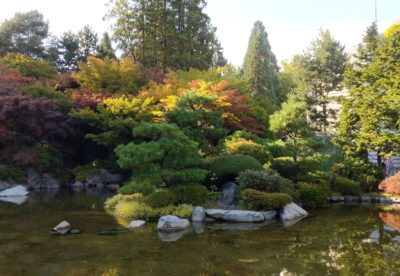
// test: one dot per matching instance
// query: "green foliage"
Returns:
(194, 194)
(142, 186)
(39, 91)
(227, 168)
(260, 68)
(162, 155)
(24, 34)
(285, 167)
(109, 75)
(105, 49)
(12, 172)
(68, 52)
(257, 200)
(269, 181)
(160, 199)
(346, 186)
(213, 193)
(87, 42)
(81, 173)
(247, 147)
(48, 158)
(313, 195)
(29, 67)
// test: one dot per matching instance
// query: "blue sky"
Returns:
(291, 24)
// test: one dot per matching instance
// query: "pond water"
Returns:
(337, 240)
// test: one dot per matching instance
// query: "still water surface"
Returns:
(337, 240)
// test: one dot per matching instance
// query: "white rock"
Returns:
(136, 224)
(235, 215)
(269, 215)
(62, 226)
(292, 211)
(14, 199)
(198, 214)
(172, 223)
(15, 191)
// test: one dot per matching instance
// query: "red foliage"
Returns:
(391, 218)
(86, 98)
(236, 112)
(25, 157)
(391, 184)
(11, 81)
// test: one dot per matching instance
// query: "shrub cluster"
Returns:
(346, 186)
(313, 195)
(265, 181)
(194, 194)
(257, 200)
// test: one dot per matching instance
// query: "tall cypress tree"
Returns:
(260, 68)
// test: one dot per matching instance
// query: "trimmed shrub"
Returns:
(135, 186)
(113, 201)
(190, 193)
(83, 172)
(227, 168)
(269, 181)
(12, 172)
(160, 199)
(346, 186)
(257, 200)
(213, 193)
(247, 147)
(285, 167)
(313, 195)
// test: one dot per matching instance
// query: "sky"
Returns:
(291, 24)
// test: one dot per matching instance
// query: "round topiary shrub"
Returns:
(194, 194)
(160, 199)
(346, 186)
(265, 181)
(313, 195)
(257, 200)
(227, 168)
(285, 167)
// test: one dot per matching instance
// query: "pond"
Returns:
(345, 240)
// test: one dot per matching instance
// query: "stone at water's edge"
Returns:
(292, 211)
(229, 198)
(172, 223)
(235, 215)
(62, 228)
(198, 214)
(269, 215)
(136, 224)
(15, 191)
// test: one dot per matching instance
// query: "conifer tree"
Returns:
(105, 49)
(260, 68)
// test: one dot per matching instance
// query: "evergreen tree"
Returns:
(260, 68)
(24, 34)
(87, 42)
(105, 49)
(68, 52)
(324, 64)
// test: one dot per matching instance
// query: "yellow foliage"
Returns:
(393, 29)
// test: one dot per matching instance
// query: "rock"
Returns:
(4, 185)
(16, 191)
(366, 199)
(235, 215)
(99, 186)
(269, 215)
(63, 227)
(391, 184)
(113, 232)
(172, 223)
(229, 198)
(292, 211)
(33, 178)
(198, 214)
(112, 187)
(136, 224)
(349, 198)
(77, 185)
(75, 231)
(49, 183)
(385, 200)
(114, 178)
(172, 236)
(336, 199)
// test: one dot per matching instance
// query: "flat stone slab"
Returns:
(172, 223)
(235, 215)
(136, 224)
(292, 211)
(15, 191)
(269, 215)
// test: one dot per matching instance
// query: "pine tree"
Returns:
(105, 49)
(68, 52)
(260, 67)
(87, 42)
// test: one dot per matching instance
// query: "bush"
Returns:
(113, 201)
(11, 172)
(313, 195)
(269, 181)
(48, 159)
(190, 193)
(29, 67)
(257, 200)
(137, 186)
(160, 199)
(247, 147)
(346, 186)
(285, 167)
(213, 193)
(83, 172)
(278, 149)
(227, 168)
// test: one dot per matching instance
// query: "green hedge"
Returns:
(265, 181)
(346, 186)
(313, 195)
(161, 199)
(257, 200)
(227, 168)
(194, 194)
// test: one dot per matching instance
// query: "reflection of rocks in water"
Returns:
(15, 199)
(373, 237)
(198, 227)
(242, 226)
(101, 194)
(391, 218)
(172, 236)
(41, 194)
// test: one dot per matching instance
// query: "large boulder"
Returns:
(172, 223)
(230, 195)
(292, 211)
(235, 215)
(198, 214)
(49, 182)
(34, 179)
(17, 191)
(391, 184)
